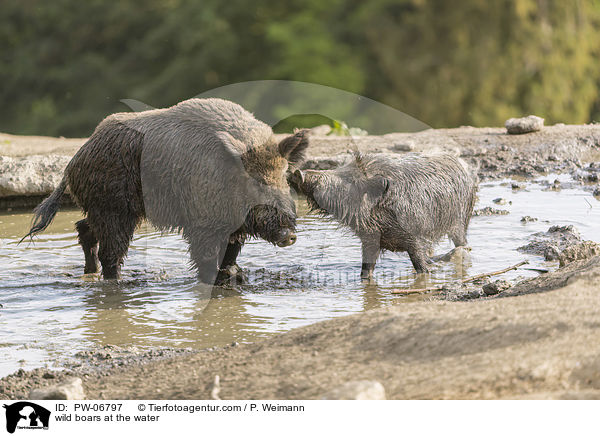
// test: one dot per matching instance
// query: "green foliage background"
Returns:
(65, 64)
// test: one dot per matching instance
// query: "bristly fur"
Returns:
(204, 167)
(349, 193)
(396, 203)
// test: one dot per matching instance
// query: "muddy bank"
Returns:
(24, 146)
(540, 344)
(577, 257)
(534, 346)
(33, 166)
(95, 362)
(492, 151)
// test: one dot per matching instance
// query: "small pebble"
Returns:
(528, 124)
(474, 294)
(404, 146)
(556, 185)
(528, 219)
(551, 253)
(496, 287)
(487, 211)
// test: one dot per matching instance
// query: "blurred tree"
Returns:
(66, 64)
(481, 62)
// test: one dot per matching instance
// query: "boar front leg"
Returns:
(370, 252)
(229, 269)
(231, 253)
(206, 248)
(459, 236)
(418, 257)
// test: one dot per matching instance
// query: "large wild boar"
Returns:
(395, 203)
(205, 167)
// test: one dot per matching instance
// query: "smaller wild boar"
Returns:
(395, 203)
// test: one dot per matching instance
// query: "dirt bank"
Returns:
(23, 146)
(539, 342)
(559, 148)
(534, 346)
(31, 166)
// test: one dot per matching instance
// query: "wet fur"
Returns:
(395, 203)
(205, 167)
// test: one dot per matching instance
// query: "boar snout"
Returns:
(295, 180)
(286, 238)
(305, 181)
(298, 177)
(275, 225)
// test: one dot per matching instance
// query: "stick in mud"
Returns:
(495, 273)
(415, 291)
(539, 270)
(216, 389)
(467, 280)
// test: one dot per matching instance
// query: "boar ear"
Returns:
(376, 188)
(235, 147)
(293, 147)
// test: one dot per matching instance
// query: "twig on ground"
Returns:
(495, 273)
(415, 291)
(467, 280)
(216, 389)
(540, 270)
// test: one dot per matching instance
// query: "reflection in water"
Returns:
(51, 311)
(121, 315)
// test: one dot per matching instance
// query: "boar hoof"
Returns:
(366, 273)
(231, 275)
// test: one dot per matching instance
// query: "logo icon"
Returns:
(26, 415)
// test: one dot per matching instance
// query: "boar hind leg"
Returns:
(418, 257)
(89, 244)
(114, 236)
(459, 237)
(370, 252)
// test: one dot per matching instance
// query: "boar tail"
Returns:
(46, 210)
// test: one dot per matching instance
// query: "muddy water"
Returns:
(50, 311)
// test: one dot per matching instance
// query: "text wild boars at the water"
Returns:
(395, 203)
(205, 167)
